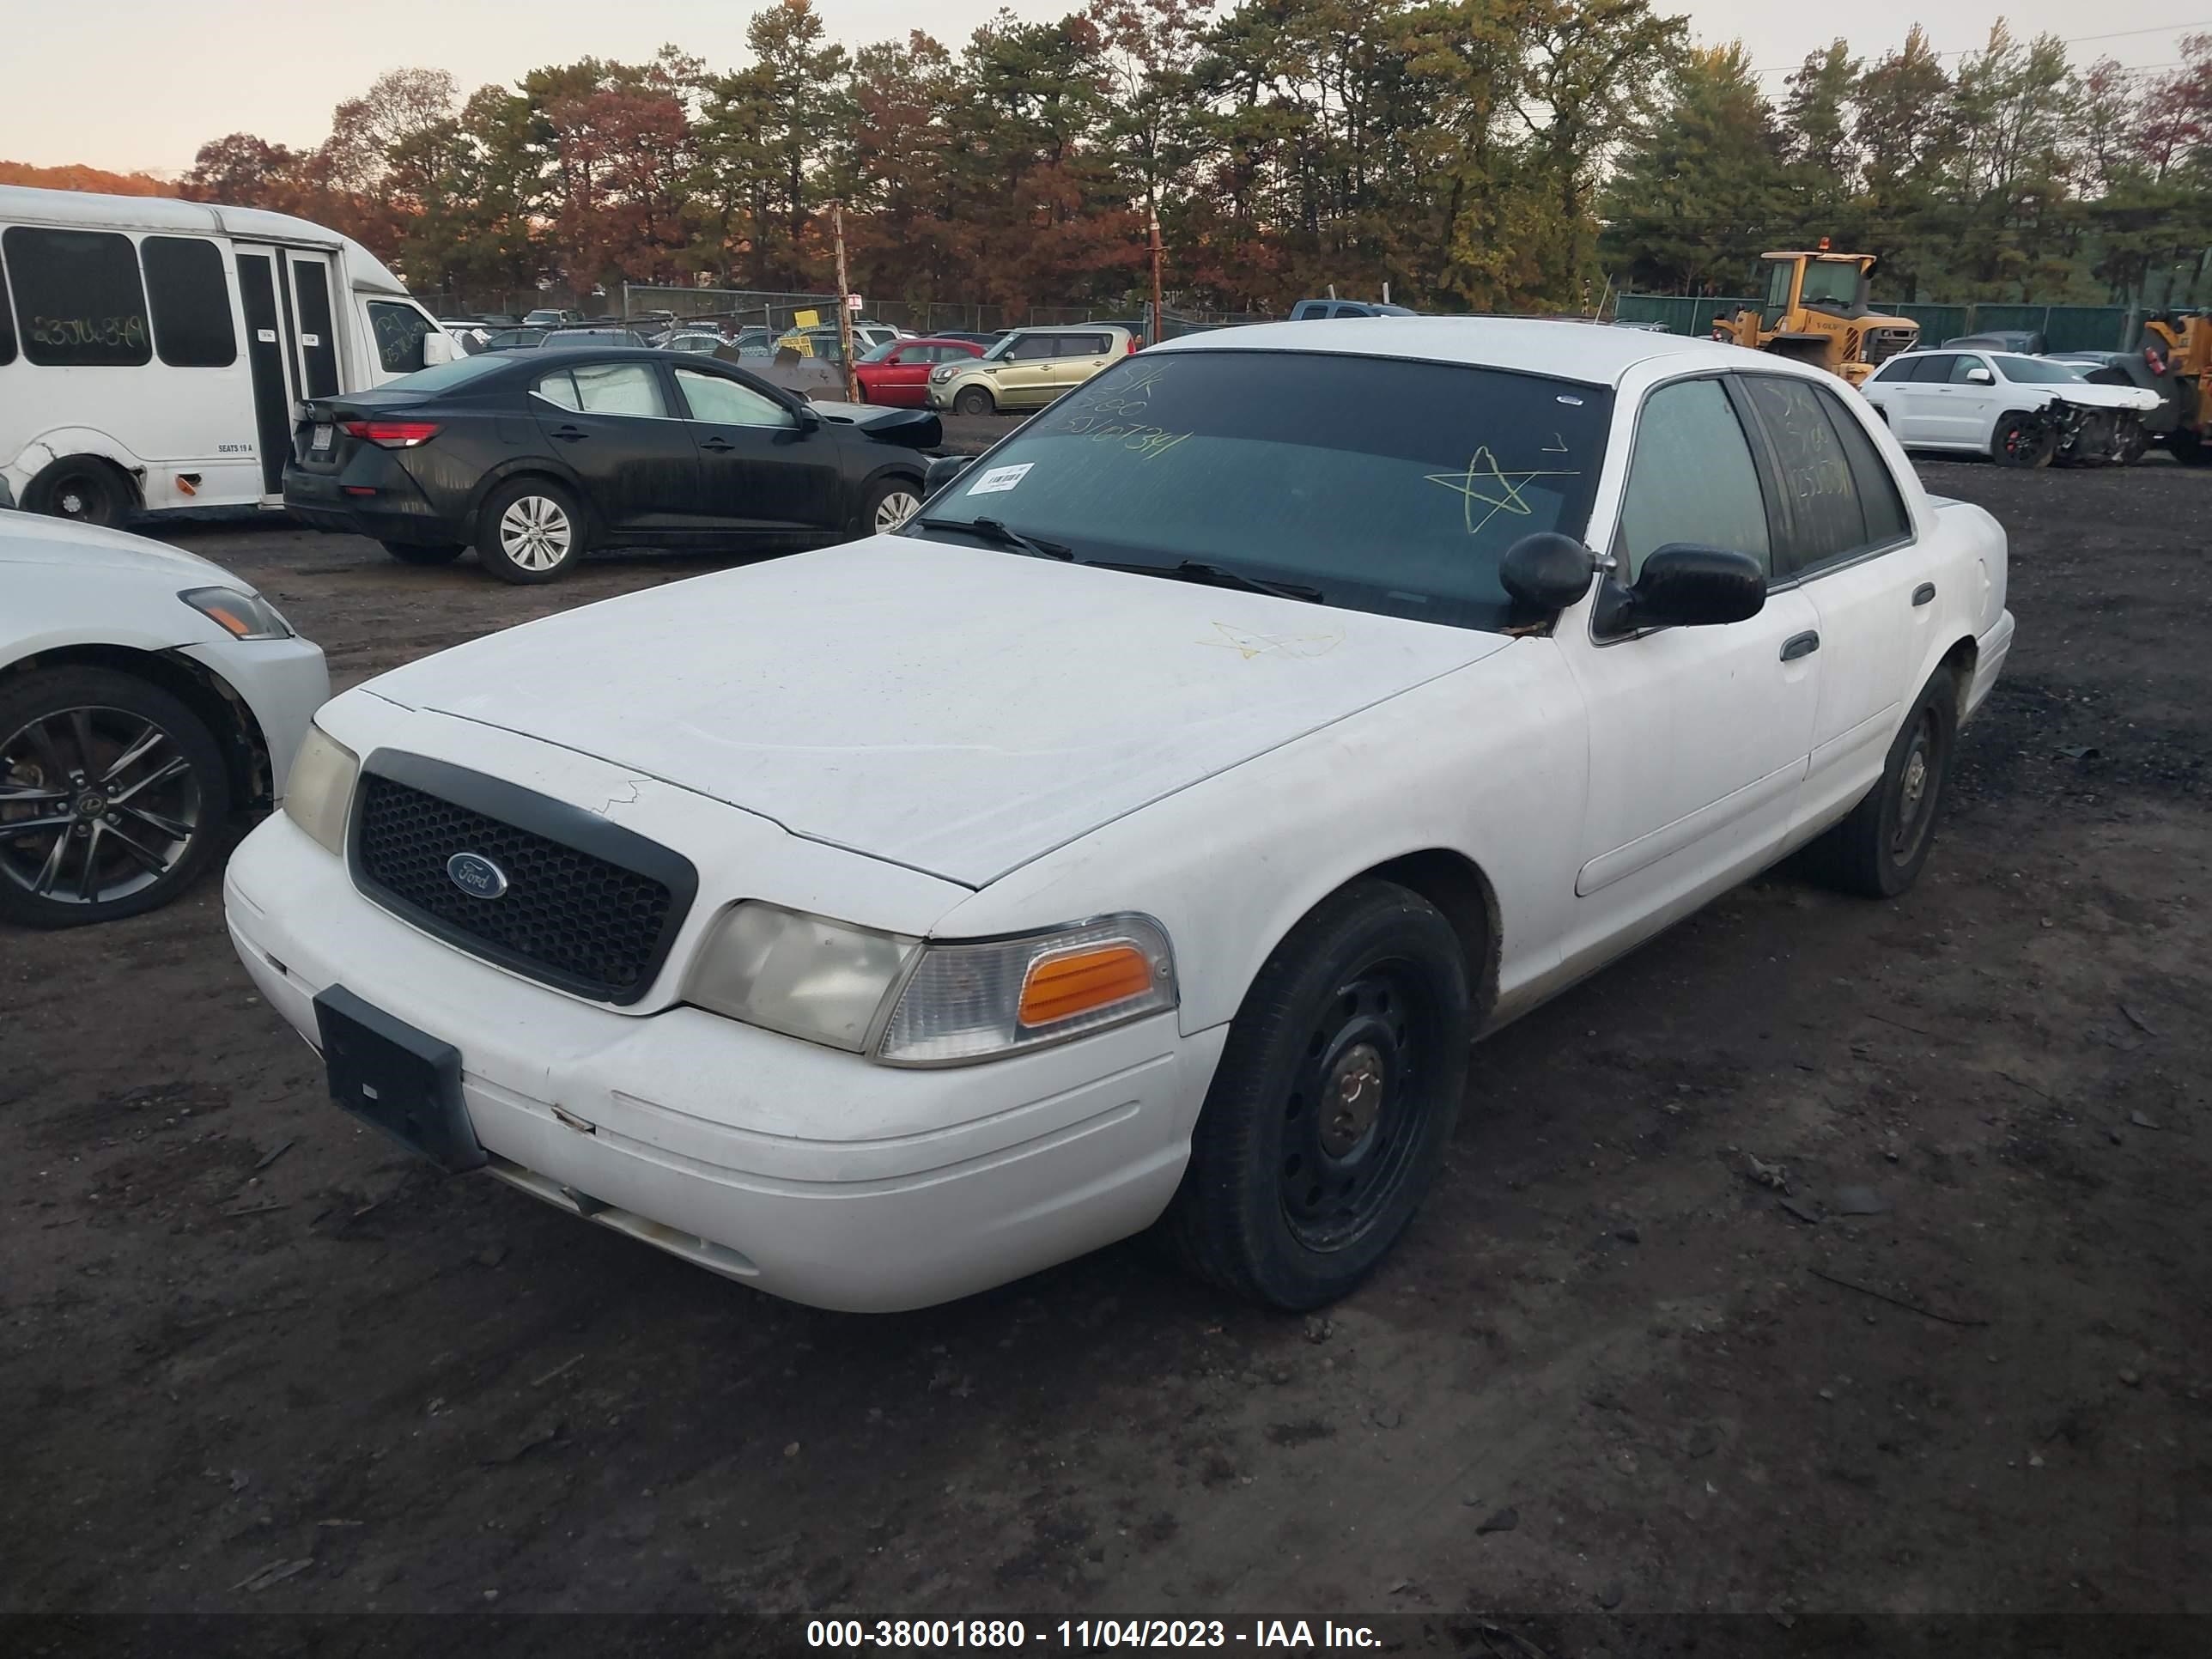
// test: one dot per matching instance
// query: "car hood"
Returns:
(954, 710)
(34, 538)
(2106, 397)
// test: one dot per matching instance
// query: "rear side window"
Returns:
(399, 331)
(1826, 521)
(1084, 345)
(1885, 519)
(1692, 479)
(1934, 369)
(558, 388)
(191, 302)
(7, 320)
(619, 389)
(78, 294)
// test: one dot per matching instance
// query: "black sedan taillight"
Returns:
(392, 435)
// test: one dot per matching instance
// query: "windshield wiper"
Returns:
(1217, 575)
(1005, 535)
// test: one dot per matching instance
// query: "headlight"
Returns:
(971, 1002)
(241, 615)
(320, 789)
(945, 373)
(804, 975)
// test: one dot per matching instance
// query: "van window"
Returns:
(399, 331)
(191, 302)
(7, 320)
(78, 294)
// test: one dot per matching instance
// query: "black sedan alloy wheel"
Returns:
(112, 794)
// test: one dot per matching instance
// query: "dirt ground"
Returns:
(1609, 1377)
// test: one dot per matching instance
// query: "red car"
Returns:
(899, 373)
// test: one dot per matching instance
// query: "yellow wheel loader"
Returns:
(1815, 311)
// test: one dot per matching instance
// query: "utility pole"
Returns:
(1157, 324)
(844, 307)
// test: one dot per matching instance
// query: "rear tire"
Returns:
(974, 400)
(1334, 1102)
(2013, 443)
(2189, 447)
(90, 736)
(530, 531)
(417, 553)
(1878, 851)
(84, 490)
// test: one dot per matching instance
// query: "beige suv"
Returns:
(1028, 368)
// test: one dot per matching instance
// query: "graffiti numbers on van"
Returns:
(129, 330)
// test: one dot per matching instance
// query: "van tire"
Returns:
(974, 400)
(418, 553)
(556, 510)
(84, 490)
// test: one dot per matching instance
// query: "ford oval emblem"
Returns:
(476, 875)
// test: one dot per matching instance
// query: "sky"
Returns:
(170, 78)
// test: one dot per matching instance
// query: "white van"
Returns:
(152, 352)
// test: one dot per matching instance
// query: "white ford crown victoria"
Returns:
(1147, 829)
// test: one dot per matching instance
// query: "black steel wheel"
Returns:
(113, 796)
(83, 489)
(1333, 1103)
(1878, 851)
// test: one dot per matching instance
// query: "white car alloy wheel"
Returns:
(894, 509)
(535, 533)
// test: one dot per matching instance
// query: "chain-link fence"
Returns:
(732, 309)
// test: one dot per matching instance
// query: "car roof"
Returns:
(1563, 348)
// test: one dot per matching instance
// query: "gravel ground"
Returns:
(1609, 1377)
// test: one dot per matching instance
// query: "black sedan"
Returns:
(536, 458)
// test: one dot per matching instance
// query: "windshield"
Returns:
(883, 351)
(1391, 485)
(443, 376)
(1829, 281)
(2032, 371)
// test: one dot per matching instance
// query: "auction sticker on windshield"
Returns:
(999, 479)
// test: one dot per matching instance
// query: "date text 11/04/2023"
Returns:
(945, 1635)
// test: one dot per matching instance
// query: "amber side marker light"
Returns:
(1059, 987)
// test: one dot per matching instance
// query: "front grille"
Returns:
(567, 917)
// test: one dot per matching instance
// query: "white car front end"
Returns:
(918, 1143)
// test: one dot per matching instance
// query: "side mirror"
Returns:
(437, 347)
(941, 471)
(1685, 586)
(1980, 376)
(1547, 571)
(810, 418)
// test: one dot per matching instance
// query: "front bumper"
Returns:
(281, 682)
(808, 1173)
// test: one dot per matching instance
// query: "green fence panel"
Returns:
(1937, 323)
(2087, 328)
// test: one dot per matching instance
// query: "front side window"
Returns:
(1826, 520)
(190, 301)
(1384, 484)
(1032, 348)
(1829, 282)
(400, 330)
(1963, 368)
(1779, 273)
(78, 297)
(1692, 479)
(730, 403)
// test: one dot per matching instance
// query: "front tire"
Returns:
(1878, 851)
(530, 531)
(889, 504)
(1334, 1102)
(113, 797)
(2019, 441)
(417, 553)
(974, 400)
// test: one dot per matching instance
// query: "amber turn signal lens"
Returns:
(1059, 987)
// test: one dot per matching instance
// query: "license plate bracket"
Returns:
(397, 1079)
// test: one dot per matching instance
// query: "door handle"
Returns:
(569, 434)
(718, 446)
(1924, 593)
(1800, 644)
